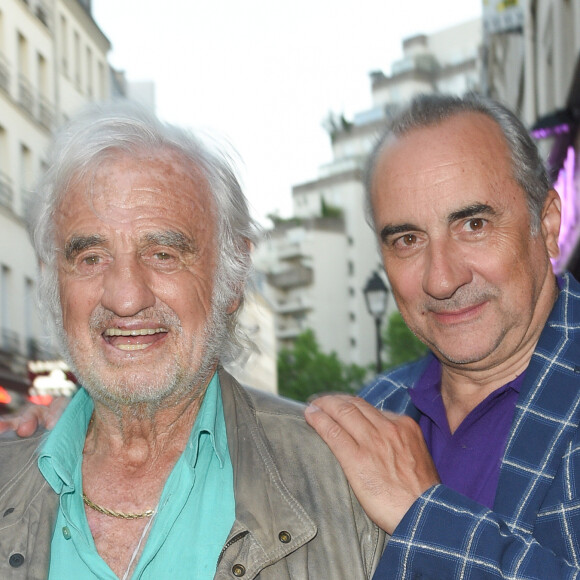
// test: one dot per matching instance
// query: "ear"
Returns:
(234, 305)
(245, 253)
(551, 217)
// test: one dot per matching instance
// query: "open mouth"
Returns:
(135, 339)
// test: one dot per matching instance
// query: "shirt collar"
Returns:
(210, 421)
(62, 451)
(427, 390)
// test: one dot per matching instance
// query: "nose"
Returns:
(126, 288)
(445, 269)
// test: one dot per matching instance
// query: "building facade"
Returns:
(532, 64)
(53, 59)
(317, 274)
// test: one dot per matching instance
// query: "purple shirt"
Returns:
(469, 460)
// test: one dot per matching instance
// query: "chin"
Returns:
(168, 384)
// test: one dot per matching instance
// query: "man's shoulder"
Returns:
(283, 425)
(16, 453)
(389, 390)
(275, 406)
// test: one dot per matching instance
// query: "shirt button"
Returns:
(285, 537)
(16, 560)
(66, 533)
(238, 570)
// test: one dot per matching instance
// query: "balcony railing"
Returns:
(45, 113)
(25, 94)
(290, 329)
(295, 305)
(6, 191)
(4, 74)
(291, 278)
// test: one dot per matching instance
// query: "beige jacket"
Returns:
(296, 517)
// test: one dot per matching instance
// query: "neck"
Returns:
(133, 435)
(463, 387)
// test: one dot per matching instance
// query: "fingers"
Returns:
(322, 416)
(344, 419)
(31, 417)
(7, 424)
(383, 455)
(24, 423)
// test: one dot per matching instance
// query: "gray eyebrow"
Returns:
(78, 243)
(463, 213)
(172, 239)
(471, 211)
(389, 231)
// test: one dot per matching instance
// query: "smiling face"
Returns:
(468, 276)
(137, 259)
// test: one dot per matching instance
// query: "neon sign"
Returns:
(566, 187)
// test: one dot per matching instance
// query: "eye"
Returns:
(165, 260)
(91, 260)
(406, 240)
(475, 224)
(90, 264)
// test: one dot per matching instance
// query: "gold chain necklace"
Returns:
(113, 513)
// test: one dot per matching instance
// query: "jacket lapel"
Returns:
(546, 416)
(264, 506)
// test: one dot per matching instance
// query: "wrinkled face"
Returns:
(136, 266)
(454, 229)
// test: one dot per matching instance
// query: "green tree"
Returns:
(401, 345)
(328, 210)
(304, 370)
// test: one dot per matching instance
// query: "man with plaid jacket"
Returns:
(469, 458)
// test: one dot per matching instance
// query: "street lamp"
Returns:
(376, 296)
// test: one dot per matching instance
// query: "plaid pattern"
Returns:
(534, 529)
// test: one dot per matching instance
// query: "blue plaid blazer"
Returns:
(534, 528)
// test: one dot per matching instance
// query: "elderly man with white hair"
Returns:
(162, 466)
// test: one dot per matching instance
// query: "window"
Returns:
(102, 84)
(6, 194)
(42, 74)
(77, 57)
(64, 45)
(89, 70)
(25, 176)
(22, 55)
(4, 295)
(28, 307)
(25, 92)
(2, 48)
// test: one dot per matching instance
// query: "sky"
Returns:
(261, 75)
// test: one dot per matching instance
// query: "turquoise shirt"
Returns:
(195, 513)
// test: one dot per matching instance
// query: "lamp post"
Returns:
(376, 296)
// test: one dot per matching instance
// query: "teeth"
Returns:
(141, 332)
(132, 346)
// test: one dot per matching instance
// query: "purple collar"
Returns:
(468, 460)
